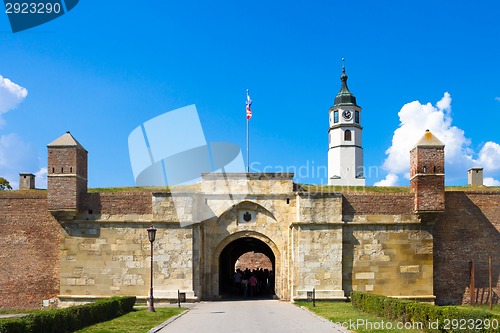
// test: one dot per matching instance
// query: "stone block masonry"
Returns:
(113, 258)
(392, 259)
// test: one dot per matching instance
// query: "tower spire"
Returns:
(344, 97)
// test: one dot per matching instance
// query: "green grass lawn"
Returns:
(344, 312)
(19, 311)
(137, 321)
(362, 189)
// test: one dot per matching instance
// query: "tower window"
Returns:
(347, 135)
(425, 169)
(335, 116)
(62, 170)
(356, 117)
(70, 169)
(53, 170)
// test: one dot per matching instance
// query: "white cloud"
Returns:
(41, 178)
(390, 180)
(489, 156)
(11, 95)
(489, 181)
(16, 155)
(415, 118)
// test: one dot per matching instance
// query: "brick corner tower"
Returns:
(67, 176)
(427, 174)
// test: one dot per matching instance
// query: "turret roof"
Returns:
(344, 97)
(66, 140)
(429, 140)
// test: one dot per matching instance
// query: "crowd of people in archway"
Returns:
(253, 283)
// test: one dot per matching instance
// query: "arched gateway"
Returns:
(232, 247)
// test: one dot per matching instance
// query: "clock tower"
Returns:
(345, 151)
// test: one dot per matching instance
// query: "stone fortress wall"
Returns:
(95, 244)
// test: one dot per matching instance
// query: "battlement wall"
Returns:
(468, 230)
(118, 203)
(377, 203)
(29, 259)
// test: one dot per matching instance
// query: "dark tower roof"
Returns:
(344, 97)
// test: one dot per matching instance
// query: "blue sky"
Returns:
(103, 69)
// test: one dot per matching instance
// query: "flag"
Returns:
(249, 103)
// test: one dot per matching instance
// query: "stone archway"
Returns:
(227, 261)
(228, 251)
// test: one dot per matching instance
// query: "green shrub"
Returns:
(434, 318)
(69, 319)
(13, 325)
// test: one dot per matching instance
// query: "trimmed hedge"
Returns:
(69, 319)
(433, 318)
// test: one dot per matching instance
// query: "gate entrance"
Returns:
(231, 279)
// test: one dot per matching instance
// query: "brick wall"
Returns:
(67, 178)
(469, 230)
(29, 256)
(429, 193)
(426, 160)
(377, 203)
(118, 203)
(253, 260)
(427, 178)
(62, 193)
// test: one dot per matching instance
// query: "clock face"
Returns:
(347, 114)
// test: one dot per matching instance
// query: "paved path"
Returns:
(260, 316)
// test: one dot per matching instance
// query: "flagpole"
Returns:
(248, 116)
(248, 151)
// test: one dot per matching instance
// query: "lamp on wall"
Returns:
(151, 235)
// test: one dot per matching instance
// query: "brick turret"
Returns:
(427, 174)
(67, 176)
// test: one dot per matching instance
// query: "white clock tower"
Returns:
(345, 150)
